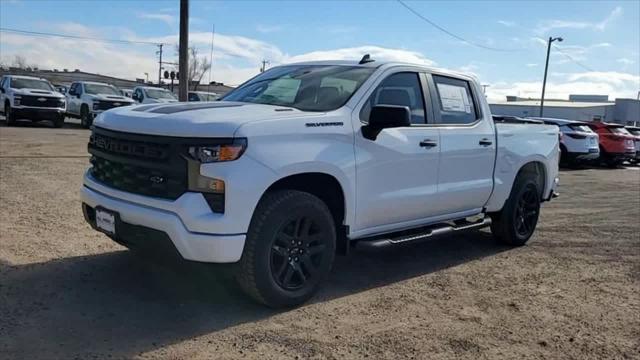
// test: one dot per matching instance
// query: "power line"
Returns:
(452, 34)
(574, 60)
(43, 34)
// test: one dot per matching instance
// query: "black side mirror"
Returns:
(386, 117)
(2, 90)
(134, 96)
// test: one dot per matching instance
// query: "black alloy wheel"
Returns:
(297, 252)
(527, 211)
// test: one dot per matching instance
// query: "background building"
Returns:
(578, 107)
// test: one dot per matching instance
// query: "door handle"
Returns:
(428, 143)
(485, 142)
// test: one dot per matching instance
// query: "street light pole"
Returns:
(546, 67)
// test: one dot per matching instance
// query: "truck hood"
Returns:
(195, 119)
(110, 97)
(37, 92)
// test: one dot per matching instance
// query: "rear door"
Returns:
(467, 144)
(397, 173)
(73, 101)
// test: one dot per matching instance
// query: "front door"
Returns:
(397, 173)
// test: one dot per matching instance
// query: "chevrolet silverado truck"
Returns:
(308, 160)
(32, 98)
(86, 100)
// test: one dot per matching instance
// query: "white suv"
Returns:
(26, 97)
(152, 95)
(578, 142)
(85, 100)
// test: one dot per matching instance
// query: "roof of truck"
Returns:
(25, 77)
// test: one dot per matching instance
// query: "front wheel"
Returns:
(59, 121)
(516, 222)
(85, 117)
(289, 250)
(8, 114)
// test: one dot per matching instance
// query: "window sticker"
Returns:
(454, 98)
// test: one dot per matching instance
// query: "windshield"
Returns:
(17, 83)
(159, 94)
(100, 89)
(619, 130)
(583, 128)
(635, 132)
(304, 87)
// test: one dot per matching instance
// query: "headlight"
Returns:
(218, 153)
(96, 105)
(16, 99)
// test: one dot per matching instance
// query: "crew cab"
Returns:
(85, 100)
(152, 95)
(616, 144)
(578, 142)
(308, 160)
(32, 98)
(635, 132)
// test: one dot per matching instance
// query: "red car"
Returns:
(616, 143)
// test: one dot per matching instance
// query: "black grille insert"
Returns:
(41, 101)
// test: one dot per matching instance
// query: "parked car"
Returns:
(306, 160)
(85, 100)
(32, 98)
(635, 132)
(202, 96)
(578, 142)
(152, 95)
(616, 144)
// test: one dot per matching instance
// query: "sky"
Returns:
(504, 42)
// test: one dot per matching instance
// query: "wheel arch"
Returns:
(328, 189)
(538, 170)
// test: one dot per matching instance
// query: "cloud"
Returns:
(614, 84)
(166, 18)
(625, 61)
(547, 25)
(507, 23)
(531, 65)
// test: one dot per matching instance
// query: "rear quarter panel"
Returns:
(518, 145)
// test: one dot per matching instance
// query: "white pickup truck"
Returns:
(307, 160)
(86, 99)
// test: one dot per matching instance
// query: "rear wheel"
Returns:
(517, 221)
(8, 114)
(289, 250)
(85, 117)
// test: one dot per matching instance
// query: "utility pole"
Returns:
(546, 67)
(264, 65)
(484, 88)
(160, 64)
(183, 53)
(213, 31)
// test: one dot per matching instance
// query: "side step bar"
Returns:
(421, 234)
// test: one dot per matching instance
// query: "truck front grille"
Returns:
(106, 105)
(41, 101)
(140, 164)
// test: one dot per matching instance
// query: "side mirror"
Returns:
(78, 95)
(386, 117)
(2, 90)
(134, 96)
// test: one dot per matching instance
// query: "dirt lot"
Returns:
(68, 292)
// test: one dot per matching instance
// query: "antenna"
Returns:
(366, 59)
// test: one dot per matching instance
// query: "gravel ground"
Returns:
(68, 292)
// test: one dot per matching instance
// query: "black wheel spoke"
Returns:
(288, 275)
(281, 269)
(279, 250)
(300, 273)
(309, 265)
(317, 249)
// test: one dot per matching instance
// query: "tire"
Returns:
(58, 122)
(289, 249)
(85, 117)
(516, 222)
(564, 157)
(8, 114)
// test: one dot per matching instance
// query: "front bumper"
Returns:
(37, 113)
(191, 245)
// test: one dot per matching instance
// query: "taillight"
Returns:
(577, 136)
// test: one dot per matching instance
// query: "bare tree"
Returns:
(198, 66)
(19, 62)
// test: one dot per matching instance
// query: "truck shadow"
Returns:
(120, 305)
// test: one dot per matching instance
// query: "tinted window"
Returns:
(305, 87)
(455, 101)
(193, 97)
(400, 89)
